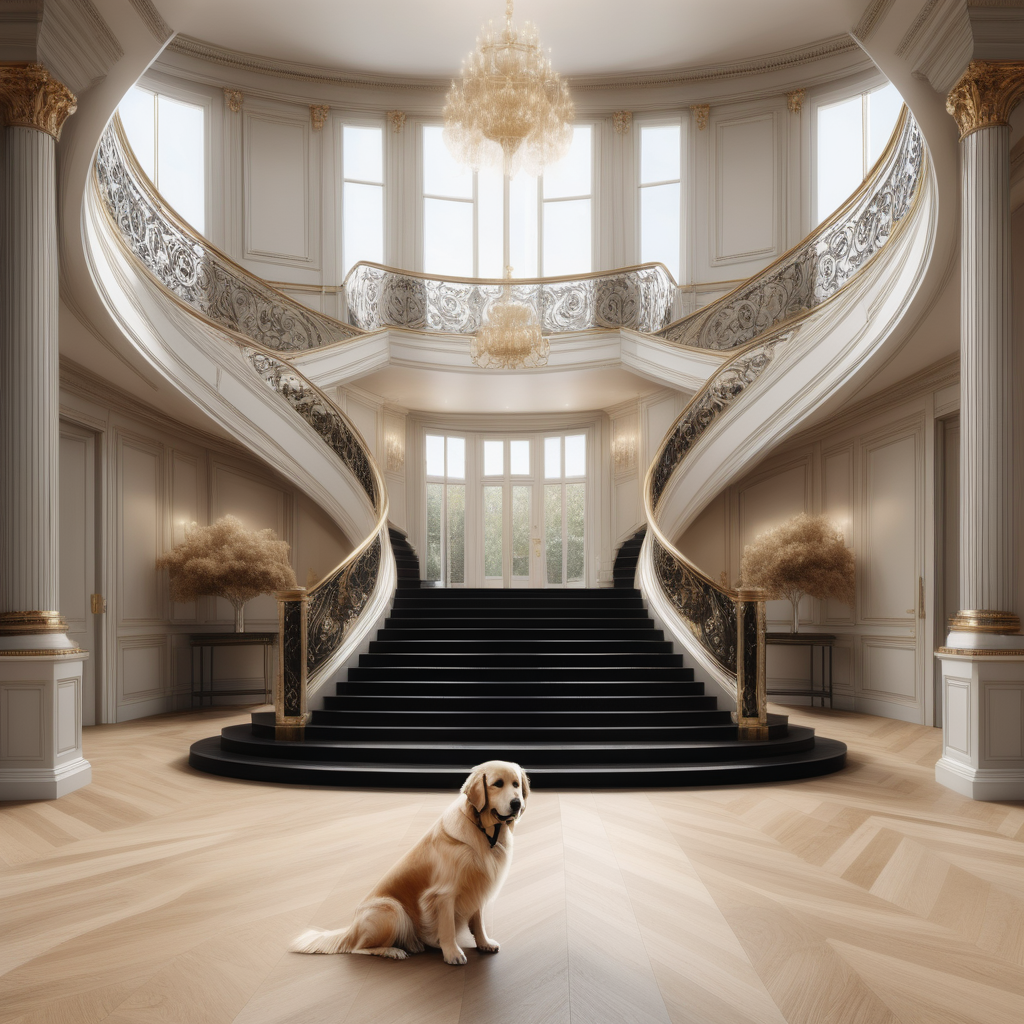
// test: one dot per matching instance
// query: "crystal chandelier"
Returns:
(511, 338)
(511, 110)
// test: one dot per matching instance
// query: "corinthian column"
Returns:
(981, 103)
(983, 660)
(40, 668)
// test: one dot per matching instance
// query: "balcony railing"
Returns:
(637, 298)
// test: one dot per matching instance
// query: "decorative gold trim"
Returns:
(701, 111)
(397, 120)
(234, 100)
(973, 620)
(42, 652)
(795, 100)
(25, 623)
(622, 121)
(979, 652)
(31, 98)
(986, 94)
(318, 115)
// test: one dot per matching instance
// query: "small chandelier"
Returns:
(511, 338)
(511, 110)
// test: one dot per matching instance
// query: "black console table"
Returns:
(214, 640)
(816, 689)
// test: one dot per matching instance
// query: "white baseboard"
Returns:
(44, 783)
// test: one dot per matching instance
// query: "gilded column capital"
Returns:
(986, 94)
(31, 98)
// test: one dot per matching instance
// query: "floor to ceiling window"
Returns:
(446, 510)
(168, 138)
(362, 196)
(475, 223)
(852, 133)
(660, 194)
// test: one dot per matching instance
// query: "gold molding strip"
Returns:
(974, 620)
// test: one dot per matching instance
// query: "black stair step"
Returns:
(541, 704)
(597, 646)
(556, 598)
(522, 659)
(240, 739)
(524, 618)
(680, 684)
(512, 718)
(497, 633)
(825, 757)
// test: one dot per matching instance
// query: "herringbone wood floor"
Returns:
(159, 895)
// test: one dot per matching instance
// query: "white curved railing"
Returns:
(802, 324)
(320, 627)
(639, 298)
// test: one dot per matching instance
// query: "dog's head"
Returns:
(497, 790)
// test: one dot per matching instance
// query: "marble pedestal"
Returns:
(983, 723)
(41, 726)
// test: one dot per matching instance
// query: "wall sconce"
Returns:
(395, 453)
(624, 452)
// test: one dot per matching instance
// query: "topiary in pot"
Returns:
(805, 555)
(227, 560)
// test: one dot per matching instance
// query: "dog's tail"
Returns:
(317, 940)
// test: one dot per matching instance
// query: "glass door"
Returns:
(565, 508)
(445, 559)
(508, 503)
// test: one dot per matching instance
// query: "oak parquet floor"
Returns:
(160, 895)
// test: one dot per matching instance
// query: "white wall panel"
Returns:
(69, 714)
(837, 503)
(318, 545)
(890, 670)
(143, 667)
(705, 540)
(891, 543)
(280, 209)
(1004, 703)
(75, 572)
(22, 706)
(957, 714)
(627, 508)
(140, 592)
(260, 506)
(746, 182)
(184, 511)
(769, 502)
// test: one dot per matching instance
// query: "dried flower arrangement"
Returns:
(804, 555)
(227, 560)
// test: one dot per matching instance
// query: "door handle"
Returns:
(536, 547)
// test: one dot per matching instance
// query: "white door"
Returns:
(78, 551)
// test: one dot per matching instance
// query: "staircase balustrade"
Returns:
(265, 325)
(758, 320)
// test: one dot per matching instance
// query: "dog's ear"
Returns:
(475, 788)
(526, 783)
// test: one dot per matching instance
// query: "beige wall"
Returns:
(130, 482)
(872, 472)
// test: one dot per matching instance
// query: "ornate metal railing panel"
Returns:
(337, 601)
(321, 415)
(638, 298)
(196, 273)
(816, 269)
(728, 624)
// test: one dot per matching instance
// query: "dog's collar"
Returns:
(492, 840)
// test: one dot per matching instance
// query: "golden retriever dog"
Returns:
(444, 881)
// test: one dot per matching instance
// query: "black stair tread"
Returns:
(826, 756)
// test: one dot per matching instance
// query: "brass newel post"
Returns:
(290, 692)
(751, 695)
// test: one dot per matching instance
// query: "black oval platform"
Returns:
(576, 685)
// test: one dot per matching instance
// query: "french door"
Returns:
(506, 511)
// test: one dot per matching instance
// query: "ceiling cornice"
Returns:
(763, 64)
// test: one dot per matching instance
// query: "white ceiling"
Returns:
(420, 38)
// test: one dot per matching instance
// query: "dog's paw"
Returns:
(456, 957)
(394, 953)
(488, 947)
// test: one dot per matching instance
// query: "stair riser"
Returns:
(518, 701)
(442, 633)
(521, 754)
(341, 735)
(511, 719)
(592, 647)
(516, 684)
(627, 679)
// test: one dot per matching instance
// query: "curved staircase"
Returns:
(578, 686)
